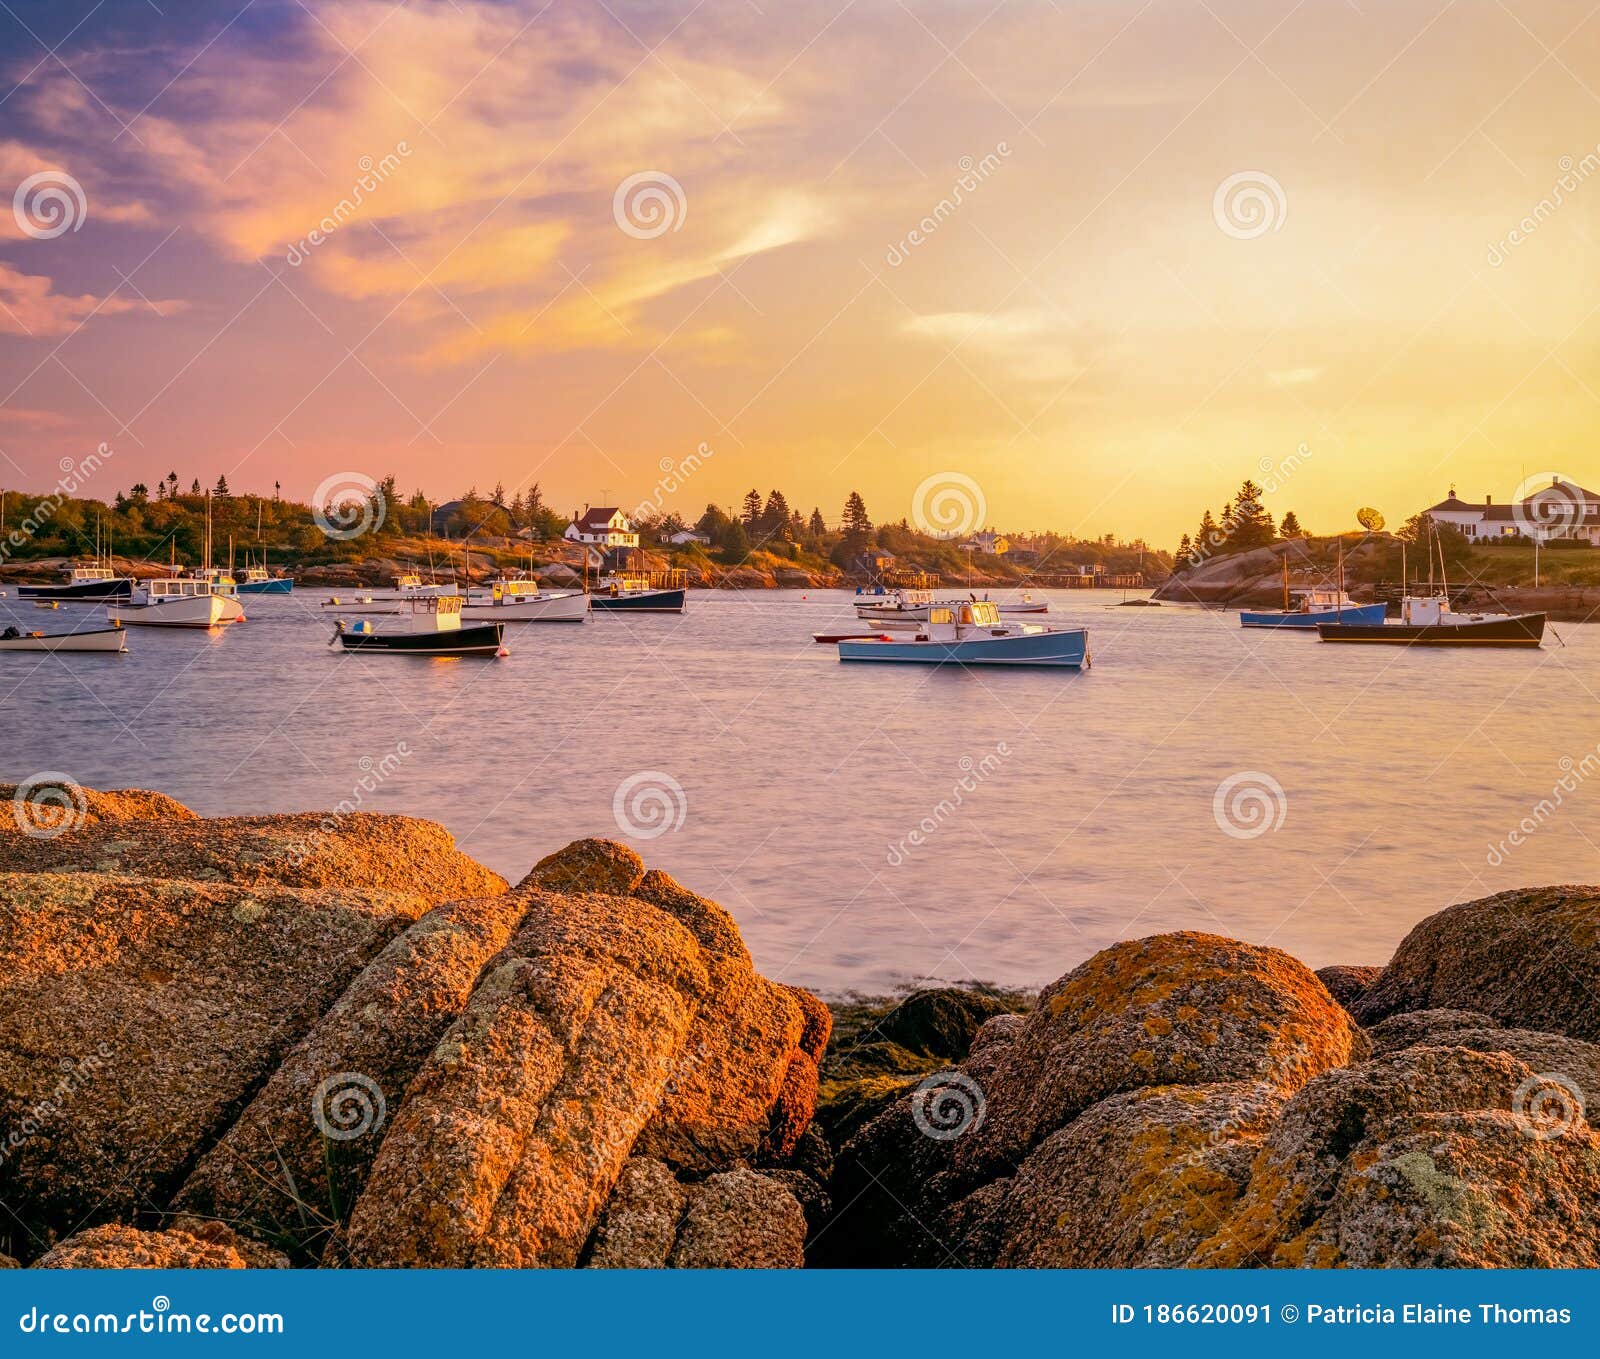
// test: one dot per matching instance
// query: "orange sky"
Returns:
(1087, 334)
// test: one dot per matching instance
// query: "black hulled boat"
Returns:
(435, 629)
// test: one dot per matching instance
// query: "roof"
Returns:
(598, 515)
(1453, 502)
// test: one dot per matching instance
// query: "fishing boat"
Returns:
(434, 628)
(619, 592)
(83, 585)
(175, 602)
(1430, 621)
(225, 588)
(1027, 604)
(1307, 607)
(898, 606)
(258, 581)
(526, 601)
(974, 634)
(92, 639)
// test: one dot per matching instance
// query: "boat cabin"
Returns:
(180, 587)
(954, 621)
(84, 574)
(1425, 611)
(516, 589)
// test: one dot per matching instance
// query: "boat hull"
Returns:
(100, 639)
(85, 592)
(181, 611)
(1066, 649)
(640, 601)
(279, 585)
(1517, 630)
(1360, 615)
(573, 608)
(477, 639)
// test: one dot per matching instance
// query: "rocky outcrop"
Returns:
(194, 1245)
(737, 1220)
(52, 808)
(1529, 958)
(1255, 577)
(203, 1021)
(1210, 1034)
(1346, 984)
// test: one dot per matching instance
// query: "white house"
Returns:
(683, 536)
(1563, 509)
(604, 527)
(988, 542)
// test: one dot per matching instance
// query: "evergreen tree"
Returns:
(775, 516)
(194, 486)
(818, 525)
(1290, 528)
(220, 491)
(1249, 523)
(857, 524)
(1207, 538)
(751, 514)
(498, 495)
(172, 484)
(1185, 552)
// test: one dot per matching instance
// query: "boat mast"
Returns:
(1285, 581)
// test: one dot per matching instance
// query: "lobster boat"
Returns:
(974, 634)
(526, 601)
(434, 628)
(176, 602)
(83, 585)
(93, 639)
(1430, 621)
(1307, 608)
(256, 581)
(619, 593)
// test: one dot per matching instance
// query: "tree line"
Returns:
(1244, 523)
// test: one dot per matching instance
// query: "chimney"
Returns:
(1488, 500)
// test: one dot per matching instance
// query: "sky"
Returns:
(1038, 264)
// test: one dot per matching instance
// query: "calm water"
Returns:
(1089, 812)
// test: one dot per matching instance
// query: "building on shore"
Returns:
(1562, 509)
(605, 527)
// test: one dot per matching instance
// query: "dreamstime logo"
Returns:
(1548, 1105)
(347, 1105)
(675, 472)
(973, 772)
(49, 204)
(370, 174)
(973, 173)
(348, 504)
(947, 1104)
(74, 473)
(649, 804)
(1547, 505)
(49, 804)
(1573, 174)
(373, 774)
(649, 204)
(1249, 204)
(76, 1073)
(1249, 804)
(948, 504)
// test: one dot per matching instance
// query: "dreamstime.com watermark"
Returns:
(1275, 475)
(973, 173)
(1573, 174)
(1249, 804)
(675, 474)
(48, 204)
(973, 773)
(74, 473)
(157, 1319)
(648, 204)
(76, 1073)
(649, 804)
(373, 174)
(347, 505)
(374, 773)
(1574, 774)
(948, 505)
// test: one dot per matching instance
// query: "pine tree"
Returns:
(1208, 538)
(857, 524)
(221, 489)
(1290, 528)
(751, 513)
(498, 495)
(1250, 525)
(194, 486)
(1185, 551)
(775, 516)
(818, 525)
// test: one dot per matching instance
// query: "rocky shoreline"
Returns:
(338, 1041)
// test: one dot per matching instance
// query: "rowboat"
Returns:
(83, 585)
(526, 601)
(433, 629)
(974, 634)
(95, 639)
(619, 593)
(175, 602)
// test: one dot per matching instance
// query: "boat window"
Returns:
(985, 613)
(941, 616)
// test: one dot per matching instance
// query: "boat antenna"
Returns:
(1338, 599)
(1285, 581)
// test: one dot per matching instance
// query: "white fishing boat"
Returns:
(175, 602)
(898, 605)
(974, 634)
(92, 639)
(225, 588)
(1027, 604)
(526, 601)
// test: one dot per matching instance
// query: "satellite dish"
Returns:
(1369, 519)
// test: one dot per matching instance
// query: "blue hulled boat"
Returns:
(974, 634)
(1307, 608)
(256, 581)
